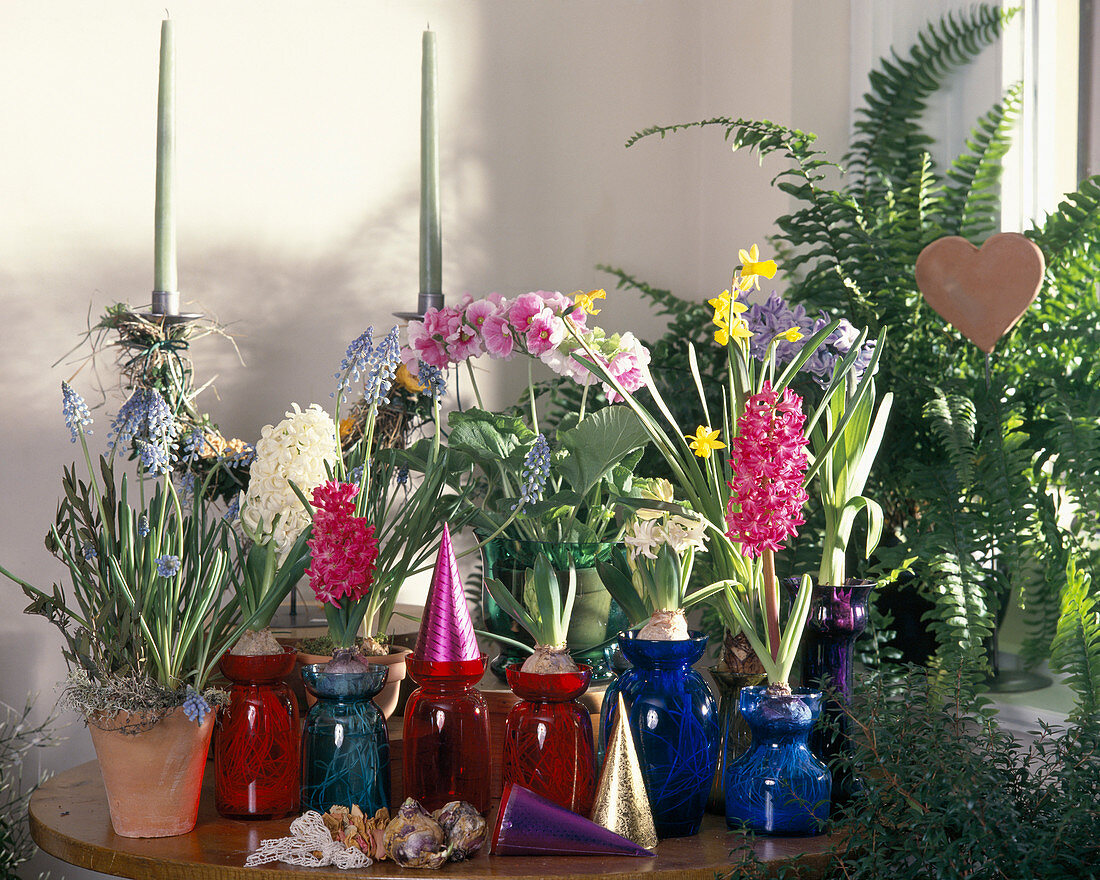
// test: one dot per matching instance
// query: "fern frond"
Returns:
(971, 203)
(888, 138)
(954, 419)
(1076, 648)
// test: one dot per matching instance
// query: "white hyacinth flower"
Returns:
(297, 449)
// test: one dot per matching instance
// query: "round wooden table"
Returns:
(69, 820)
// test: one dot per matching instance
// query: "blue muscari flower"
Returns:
(145, 417)
(356, 474)
(195, 706)
(403, 475)
(168, 565)
(154, 459)
(233, 511)
(89, 551)
(143, 525)
(433, 380)
(381, 368)
(75, 410)
(193, 445)
(355, 360)
(186, 486)
(536, 469)
(243, 457)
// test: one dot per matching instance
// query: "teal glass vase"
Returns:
(345, 745)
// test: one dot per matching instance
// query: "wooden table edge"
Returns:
(97, 857)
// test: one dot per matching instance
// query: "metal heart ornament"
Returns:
(981, 291)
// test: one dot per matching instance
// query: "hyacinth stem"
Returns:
(771, 601)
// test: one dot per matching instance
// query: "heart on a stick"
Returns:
(982, 291)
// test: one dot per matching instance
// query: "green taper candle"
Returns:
(431, 260)
(164, 231)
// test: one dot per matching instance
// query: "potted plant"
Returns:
(753, 501)
(371, 529)
(145, 618)
(548, 743)
(1020, 424)
(543, 482)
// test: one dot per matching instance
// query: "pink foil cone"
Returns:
(530, 825)
(446, 631)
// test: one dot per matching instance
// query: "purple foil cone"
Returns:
(446, 631)
(530, 825)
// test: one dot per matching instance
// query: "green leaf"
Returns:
(597, 444)
(487, 437)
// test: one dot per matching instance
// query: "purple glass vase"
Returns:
(837, 616)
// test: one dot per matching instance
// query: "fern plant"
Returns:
(984, 493)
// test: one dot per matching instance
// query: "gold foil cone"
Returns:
(622, 804)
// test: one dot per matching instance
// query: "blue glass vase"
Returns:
(673, 718)
(778, 787)
(345, 745)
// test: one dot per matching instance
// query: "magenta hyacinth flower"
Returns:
(768, 457)
(343, 547)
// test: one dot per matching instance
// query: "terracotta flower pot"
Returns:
(153, 776)
(386, 699)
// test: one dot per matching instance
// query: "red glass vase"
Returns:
(548, 744)
(256, 750)
(446, 734)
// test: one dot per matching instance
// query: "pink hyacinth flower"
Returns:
(769, 461)
(343, 549)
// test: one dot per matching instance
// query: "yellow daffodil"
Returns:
(738, 330)
(586, 300)
(704, 441)
(346, 427)
(722, 304)
(407, 381)
(791, 335)
(752, 267)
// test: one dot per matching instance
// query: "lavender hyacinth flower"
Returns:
(767, 320)
(75, 410)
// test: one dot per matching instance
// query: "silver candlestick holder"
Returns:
(166, 309)
(424, 301)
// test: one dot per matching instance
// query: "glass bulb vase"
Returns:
(548, 745)
(673, 718)
(345, 745)
(778, 787)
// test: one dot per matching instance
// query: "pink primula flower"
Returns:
(432, 337)
(544, 332)
(523, 311)
(342, 548)
(499, 336)
(768, 457)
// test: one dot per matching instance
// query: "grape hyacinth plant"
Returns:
(144, 617)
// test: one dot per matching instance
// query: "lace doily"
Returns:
(308, 837)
